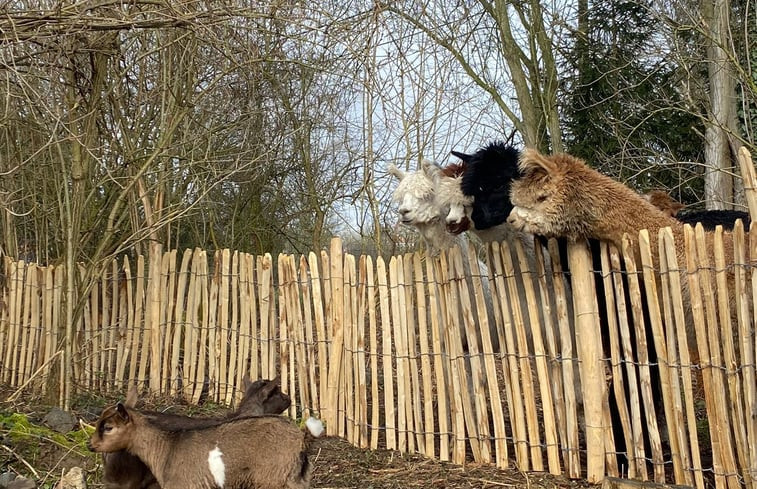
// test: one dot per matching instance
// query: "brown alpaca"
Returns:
(560, 196)
(663, 201)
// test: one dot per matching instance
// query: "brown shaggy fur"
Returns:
(663, 201)
(560, 196)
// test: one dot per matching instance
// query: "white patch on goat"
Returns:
(315, 426)
(216, 466)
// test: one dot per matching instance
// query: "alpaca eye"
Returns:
(541, 198)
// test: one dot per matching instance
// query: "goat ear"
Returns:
(532, 160)
(121, 410)
(269, 388)
(131, 397)
(465, 157)
(246, 381)
(396, 172)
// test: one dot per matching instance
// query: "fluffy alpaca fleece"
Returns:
(710, 219)
(560, 196)
(487, 179)
(663, 201)
(449, 198)
(417, 203)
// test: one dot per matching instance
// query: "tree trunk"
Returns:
(718, 179)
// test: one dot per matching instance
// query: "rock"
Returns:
(21, 483)
(59, 420)
(73, 479)
(6, 479)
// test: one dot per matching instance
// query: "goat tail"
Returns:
(314, 427)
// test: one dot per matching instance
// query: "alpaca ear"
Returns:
(465, 157)
(431, 169)
(532, 160)
(246, 381)
(396, 172)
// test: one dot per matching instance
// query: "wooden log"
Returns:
(715, 337)
(567, 355)
(336, 353)
(313, 406)
(473, 354)
(390, 419)
(642, 354)
(348, 392)
(204, 325)
(735, 408)
(674, 273)
(267, 308)
(284, 293)
(397, 297)
(411, 338)
(425, 355)
(361, 408)
(234, 327)
(320, 330)
(139, 358)
(464, 424)
(437, 341)
(375, 401)
(490, 367)
(508, 349)
(750, 180)
(217, 312)
(518, 345)
(180, 317)
(589, 353)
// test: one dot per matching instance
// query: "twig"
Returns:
(37, 372)
(21, 459)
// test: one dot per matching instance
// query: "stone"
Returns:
(73, 479)
(59, 420)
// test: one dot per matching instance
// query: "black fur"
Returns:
(711, 219)
(487, 178)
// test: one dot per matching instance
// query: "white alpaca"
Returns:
(416, 197)
(421, 206)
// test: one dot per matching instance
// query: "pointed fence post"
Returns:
(589, 341)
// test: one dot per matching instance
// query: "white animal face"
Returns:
(415, 198)
(454, 206)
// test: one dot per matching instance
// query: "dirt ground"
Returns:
(39, 454)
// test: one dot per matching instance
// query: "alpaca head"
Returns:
(488, 175)
(414, 196)
(548, 198)
(454, 206)
(663, 201)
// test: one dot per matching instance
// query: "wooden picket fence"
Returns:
(398, 354)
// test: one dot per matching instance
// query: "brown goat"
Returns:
(262, 452)
(122, 470)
